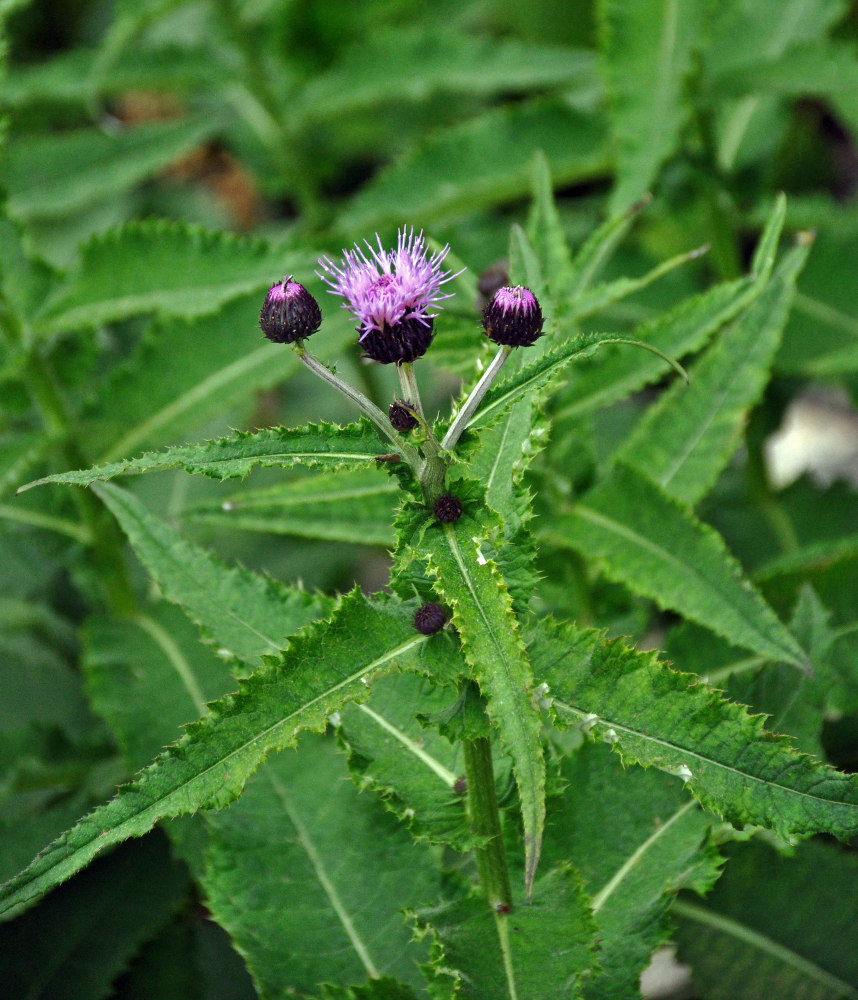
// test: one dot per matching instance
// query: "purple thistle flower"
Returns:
(513, 317)
(390, 295)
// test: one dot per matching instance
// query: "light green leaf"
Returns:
(541, 950)
(242, 614)
(355, 507)
(189, 272)
(338, 873)
(481, 162)
(60, 172)
(775, 919)
(545, 231)
(684, 440)
(657, 846)
(647, 51)
(658, 717)
(658, 548)
(410, 765)
(208, 767)
(232, 457)
(415, 62)
(482, 612)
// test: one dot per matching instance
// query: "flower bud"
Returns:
(430, 618)
(289, 313)
(447, 508)
(513, 317)
(402, 416)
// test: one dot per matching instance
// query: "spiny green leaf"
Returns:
(657, 717)
(647, 51)
(208, 767)
(240, 612)
(354, 507)
(233, 457)
(775, 919)
(190, 271)
(482, 613)
(482, 162)
(685, 440)
(338, 873)
(657, 846)
(60, 172)
(541, 950)
(658, 548)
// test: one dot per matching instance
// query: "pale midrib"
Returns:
(330, 890)
(827, 313)
(766, 945)
(152, 805)
(588, 514)
(434, 765)
(200, 391)
(710, 761)
(177, 660)
(605, 893)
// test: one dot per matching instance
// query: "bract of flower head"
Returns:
(513, 317)
(393, 295)
(289, 312)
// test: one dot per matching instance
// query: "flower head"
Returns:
(391, 295)
(289, 312)
(513, 317)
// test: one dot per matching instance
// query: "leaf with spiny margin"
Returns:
(683, 329)
(657, 846)
(53, 174)
(148, 676)
(412, 766)
(481, 606)
(597, 249)
(338, 872)
(647, 52)
(549, 947)
(685, 439)
(483, 161)
(326, 665)
(190, 271)
(354, 507)
(657, 547)
(240, 612)
(383, 988)
(775, 920)
(658, 717)
(323, 445)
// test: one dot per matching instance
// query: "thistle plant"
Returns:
(545, 790)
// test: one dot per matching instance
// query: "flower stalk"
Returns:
(468, 408)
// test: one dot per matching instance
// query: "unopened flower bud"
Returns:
(430, 618)
(513, 317)
(401, 415)
(289, 313)
(447, 508)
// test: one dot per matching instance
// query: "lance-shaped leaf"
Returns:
(545, 230)
(339, 871)
(324, 445)
(688, 436)
(657, 846)
(658, 548)
(189, 271)
(473, 588)
(541, 950)
(240, 612)
(356, 507)
(658, 717)
(326, 665)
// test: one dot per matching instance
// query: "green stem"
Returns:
(435, 468)
(484, 817)
(466, 411)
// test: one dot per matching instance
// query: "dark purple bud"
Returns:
(430, 618)
(513, 317)
(289, 313)
(401, 415)
(400, 342)
(447, 508)
(460, 785)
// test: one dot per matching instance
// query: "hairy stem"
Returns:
(467, 409)
(435, 468)
(484, 817)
